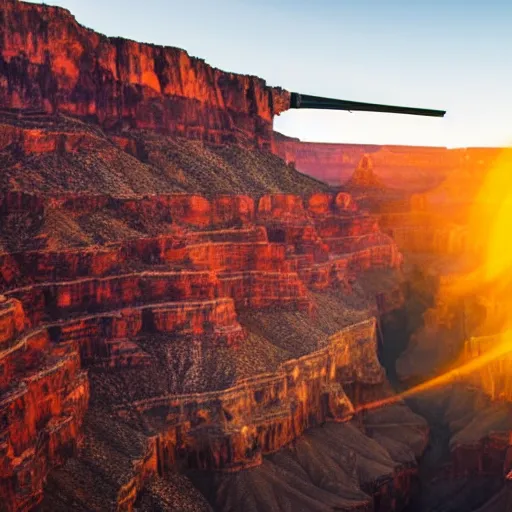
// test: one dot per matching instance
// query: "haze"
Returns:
(442, 54)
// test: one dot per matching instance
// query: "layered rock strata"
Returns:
(153, 324)
(44, 393)
(52, 153)
(413, 168)
(178, 304)
(49, 62)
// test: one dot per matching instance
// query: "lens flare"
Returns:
(490, 239)
(502, 348)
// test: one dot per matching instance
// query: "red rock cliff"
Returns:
(156, 310)
(408, 167)
(49, 62)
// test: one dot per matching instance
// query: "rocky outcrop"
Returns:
(157, 321)
(364, 176)
(413, 168)
(264, 413)
(44, 395)
(49, 62)
(336, 464)
(254, 273)
(225, 430)
(229, 429)
(177, 298)
(284, 233)
(12, 321)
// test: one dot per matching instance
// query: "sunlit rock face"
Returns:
(411, 168)
(215, 332)
(179, 300)
(44, 396)
(51, 62)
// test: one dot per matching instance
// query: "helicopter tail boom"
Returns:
(317, 102)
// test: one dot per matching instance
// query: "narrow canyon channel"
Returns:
(443, 483)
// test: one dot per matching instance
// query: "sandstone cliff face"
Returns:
(171, 302)
(49, 62)
(411, 168)
(165, 309)
(44, 395)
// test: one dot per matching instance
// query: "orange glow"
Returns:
(501, 349)
(487, 359)
(490, 228)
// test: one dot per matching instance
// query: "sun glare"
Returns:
(490, 235)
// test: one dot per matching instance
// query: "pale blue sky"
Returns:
(446, 54)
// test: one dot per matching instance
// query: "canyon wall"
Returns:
(44, 394)
(412, 168)
(161, 305)
(145, 332)
(226, 430)
(494, 376)
(264, 413)
(49, 62)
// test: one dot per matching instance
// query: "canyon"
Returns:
(189, 323)
(167, 335)
(410, 168)
(462, 281)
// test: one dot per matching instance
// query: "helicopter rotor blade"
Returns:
(317, 102)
